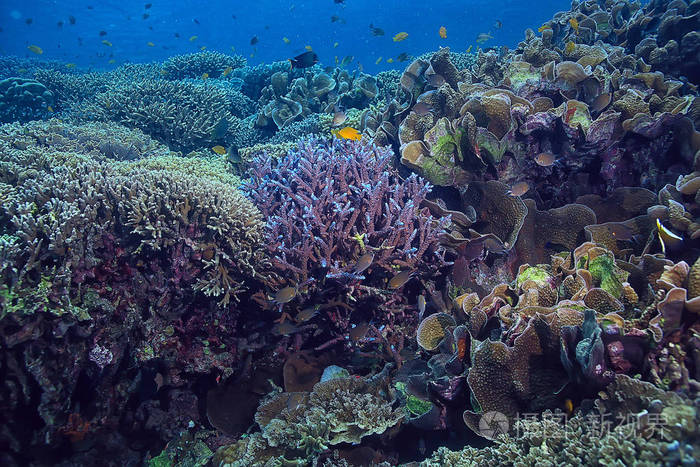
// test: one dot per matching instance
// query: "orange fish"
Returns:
(349, 133)
(400, 279)
(443, 32)
(519, 188)
(545, 159)
(574, 24)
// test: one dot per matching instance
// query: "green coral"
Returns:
(603, 270)
(533, 273)
(415, 405)
(447, 144)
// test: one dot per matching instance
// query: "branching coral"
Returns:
(214, 64)
(23, 99)
(330, 203)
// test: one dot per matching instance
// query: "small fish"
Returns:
(227, 71)
(71, 19)
(205, 76)
(220, 150)
(348, 133)
(376, 31)
(363, 263)
(545, 159)
(400, 36)
(568, 406)
(360, 68)
(336, 18)
(285, 295)
(193, 38)
(70, 65)
(469, 49)
(49, 108)
(204, 47)
(347, 60)
(28, 21)
(421, 306)
(335, 44)
(285, 328)
(601, 102)
(145, 16)
(620, 231)
(147, 6)
(304, 60)
(195, 21)
(400, 279)
(339, 2)
(286, 40)
(543, 27)
(307, 313)
(519, 189)
(233, 49)
(403, 57)
(570, 47)
(421, 108)
(59, 24)
(177, 35)
(358, 331)
(436, 80)
(107, 43)
(498, 24)
(668, 239)
(112, 61)
(574, 24)
(377, 61)
(390, 60)
(442, 32)
(308, 47)
(483, 37)
(103, 33)
(36, 49)
(339, 117)
(254, 40)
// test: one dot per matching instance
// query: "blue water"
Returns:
(228, 26)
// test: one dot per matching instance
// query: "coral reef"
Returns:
(23, 99)
(214, 64)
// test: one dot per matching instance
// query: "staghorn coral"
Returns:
(350, 186)
(183, 115)
(196, 64)
(107, 261)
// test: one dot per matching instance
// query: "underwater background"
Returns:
(343, 233)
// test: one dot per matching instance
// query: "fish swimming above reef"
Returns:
(285, 295)
(574, 24)
(107, 43)
(304, 60)
(375, 30)
(220, 150)
(519, 188)
(400, 279)
(668, 239)
(543, 27)
(442, 32)
(347, 133)
(403, 57)
(483, 37)
(498, 24)
(363, 263)
(545, 159)
(339, 116)
(400, 36)
(254, 40)
(36, 49)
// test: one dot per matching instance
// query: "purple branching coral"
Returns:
(332, 208)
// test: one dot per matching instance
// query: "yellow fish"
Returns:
(378, 60)
(400, 36)
(543, 27)
(574, 24)
(150, 44)
(308, 47)
(286, 40)
(668, 239)
(442, 32)
(390, 60)
(193, 38)
(107, 43)
(36, 49)
(205, 75)
(335, 44)
(203, 47)
(227, 70)
(112, 61)
(70, 65)
(220, 150)
(570, 47)
(49, 108)
(470, 48)
(348, 133)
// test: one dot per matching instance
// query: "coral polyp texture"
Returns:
(484, 254)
